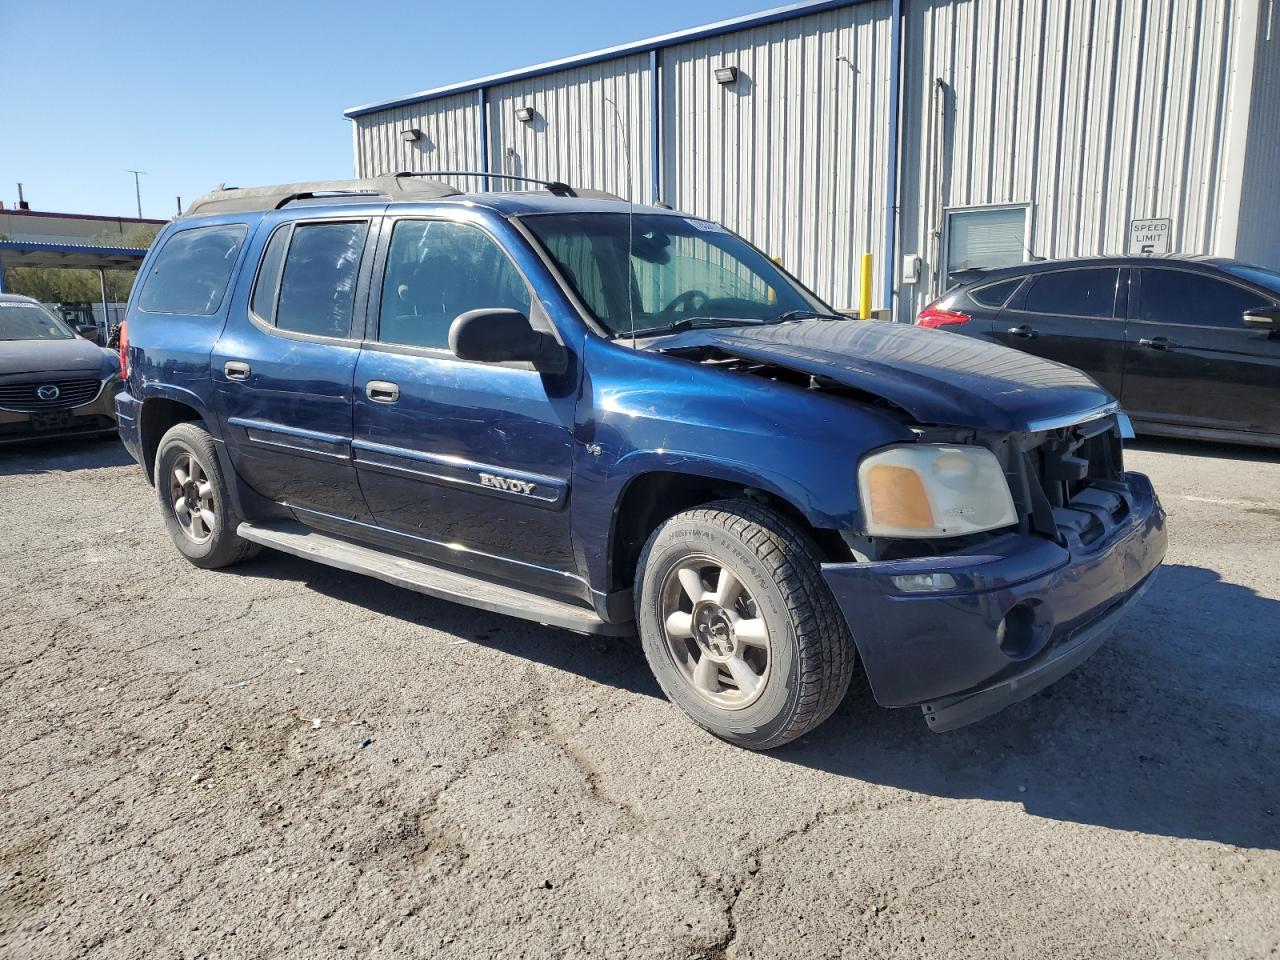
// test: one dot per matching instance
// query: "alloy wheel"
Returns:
(714, 632)
(191, 494)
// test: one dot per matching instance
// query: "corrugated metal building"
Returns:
(935, 134)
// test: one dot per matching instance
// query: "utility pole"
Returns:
(137, 188)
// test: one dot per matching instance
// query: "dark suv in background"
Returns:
(619, 419)
(1191, 347)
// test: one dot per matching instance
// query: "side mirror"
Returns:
(1263, 318)
(500, 336)
(89, 331)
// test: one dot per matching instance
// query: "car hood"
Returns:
(76, 355)
(937, 377)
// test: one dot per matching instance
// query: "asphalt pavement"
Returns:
(282, 760)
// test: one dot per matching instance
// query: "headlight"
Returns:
(933, 490)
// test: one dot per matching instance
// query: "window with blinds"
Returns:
(984, 238)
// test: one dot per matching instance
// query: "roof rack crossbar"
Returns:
(557, 187)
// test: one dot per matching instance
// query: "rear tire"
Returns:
(757, 659)
(195, 501)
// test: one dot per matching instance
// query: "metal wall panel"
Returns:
(1094, 112)
(793, 155)
(1258, 229)
(1090, 112)
(450, 137)
(584, 120)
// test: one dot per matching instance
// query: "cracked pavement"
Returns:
(283, 760)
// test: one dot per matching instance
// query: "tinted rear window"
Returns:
(1074, 293)
(318, 288)
(190, 273)
(995, 294)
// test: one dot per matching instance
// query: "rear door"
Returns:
(983, 303)
(1070, 316)
(1192, 362)
(284, 367)
(469, 463)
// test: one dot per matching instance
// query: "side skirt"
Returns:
(413, 574)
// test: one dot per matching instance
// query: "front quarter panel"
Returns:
(644, 412)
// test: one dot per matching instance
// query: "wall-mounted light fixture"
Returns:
(726, 74)
(411, 135)
(524, 114)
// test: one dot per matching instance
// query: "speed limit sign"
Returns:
(1149, 238)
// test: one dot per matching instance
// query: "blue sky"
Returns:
(199, 93)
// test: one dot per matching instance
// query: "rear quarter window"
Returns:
(995, 294)
(191, 272)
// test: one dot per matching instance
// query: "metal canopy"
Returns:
(79, 256)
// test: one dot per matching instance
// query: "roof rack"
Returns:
(247, 199)
(556, 187)
(553, 186)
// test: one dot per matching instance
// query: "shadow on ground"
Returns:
(1170, 729)
(50, 456)
(616, 661)
(1205, 448)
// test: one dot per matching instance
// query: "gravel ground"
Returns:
(281, 760)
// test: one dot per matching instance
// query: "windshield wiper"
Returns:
(806, 315)
(690, 323)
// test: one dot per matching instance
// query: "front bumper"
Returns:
(94, 418)
(1022, 613)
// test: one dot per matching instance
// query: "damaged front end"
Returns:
(965, 625)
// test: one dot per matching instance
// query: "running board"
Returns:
(302, 541)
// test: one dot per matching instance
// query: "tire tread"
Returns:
(826, 653)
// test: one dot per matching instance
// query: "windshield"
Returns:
(681, 272)
(30, 321)
(1267, 278)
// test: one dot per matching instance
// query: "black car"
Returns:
(1190, 346)
(54, 382)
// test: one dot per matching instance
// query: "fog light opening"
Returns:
(924, 582)
(1021, 634)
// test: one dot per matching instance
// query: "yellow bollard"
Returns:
(864, 290)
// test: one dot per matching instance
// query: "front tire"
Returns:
(194, 499)
(738, 626)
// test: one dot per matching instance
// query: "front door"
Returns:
(1070, 316)
(1193, 362)
(466, 463)
(284, 367)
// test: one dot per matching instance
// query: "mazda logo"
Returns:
(48, 392)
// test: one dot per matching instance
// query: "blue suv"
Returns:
(614, 419)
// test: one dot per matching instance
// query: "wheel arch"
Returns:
(158, 414)
(654, 496)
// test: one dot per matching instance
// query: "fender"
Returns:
(153, 390)
(644, 412)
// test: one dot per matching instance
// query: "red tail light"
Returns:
(124, 350)
(937, 317)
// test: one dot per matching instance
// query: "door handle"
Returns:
(382, 391)
(237, 370)
(1155, 343)
(1024, 331)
